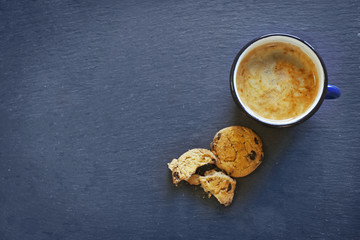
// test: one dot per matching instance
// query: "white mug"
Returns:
(324, 91)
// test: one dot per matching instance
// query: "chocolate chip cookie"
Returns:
(187, 164)
(220, 185)
(238, 150)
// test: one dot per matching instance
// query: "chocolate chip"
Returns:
(176, 175)
(218, 136)
(207, 167)
(229, 187)
(212, 145)
(256, 140)
(252, 155)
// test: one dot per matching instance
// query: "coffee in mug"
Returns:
(279, 80)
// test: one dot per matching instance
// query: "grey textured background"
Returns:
(96, 97)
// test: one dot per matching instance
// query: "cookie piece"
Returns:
(194, 179)
(186, 165)
(238, 150)
(220, 185)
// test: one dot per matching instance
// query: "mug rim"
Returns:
(237, 100)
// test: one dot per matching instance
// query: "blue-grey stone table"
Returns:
(96, 97)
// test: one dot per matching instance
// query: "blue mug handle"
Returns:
(332, 92)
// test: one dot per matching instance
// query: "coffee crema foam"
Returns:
(277, 81)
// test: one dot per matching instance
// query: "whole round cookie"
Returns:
(238, 150)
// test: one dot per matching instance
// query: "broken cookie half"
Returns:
(196, 166)
(187, 164)
(220, 185)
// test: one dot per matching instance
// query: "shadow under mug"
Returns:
(326, 91)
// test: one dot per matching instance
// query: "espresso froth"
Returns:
(277, 81)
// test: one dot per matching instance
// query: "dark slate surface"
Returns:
(96, 97)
